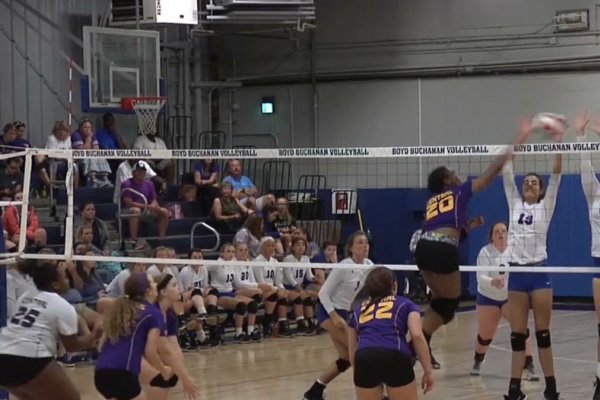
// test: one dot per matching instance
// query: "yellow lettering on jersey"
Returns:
(381, 310)
(439, 204)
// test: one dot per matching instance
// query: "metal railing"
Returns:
(120, 215)
(210, 228)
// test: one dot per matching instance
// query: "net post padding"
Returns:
(146, 109)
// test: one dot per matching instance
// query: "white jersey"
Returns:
(116, 288)
(171, 270)
(529, 223)
(244, 278)
(489, 256)
(221, 277)
(297, 276)
(342, 285)
(17, 285)
(591, 190)
(191, 279)
(270, 275)
(33, 331)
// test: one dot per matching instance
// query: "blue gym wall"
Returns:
(393, 215)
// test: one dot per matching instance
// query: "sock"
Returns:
(479, 356)
(280, 320)
(598, 370)
(550, 385)
(250, 329)
(238, 331)
(528, 361)
(299, 319)
(202, 311)
(267, 318)
(514, 388)
(201, 335)
(318, 387)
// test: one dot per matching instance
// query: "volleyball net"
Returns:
(327, 190)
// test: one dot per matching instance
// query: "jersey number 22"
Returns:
(380, 310)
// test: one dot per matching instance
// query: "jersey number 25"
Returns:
(25, 317)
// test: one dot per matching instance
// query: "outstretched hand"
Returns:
(581, 122)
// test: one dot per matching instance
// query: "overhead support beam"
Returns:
(215, 84)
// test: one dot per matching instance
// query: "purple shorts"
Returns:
(226, 294)
(323, 315)
(486, 301)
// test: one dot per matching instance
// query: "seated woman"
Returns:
(326, 256)
(87, 217)
(96, 170)
(89, 285)
(107, 270)
(312, 248)
(228, 212)
(206, 178)
(11, 219)
(52, 169)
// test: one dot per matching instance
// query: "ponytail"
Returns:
(120, 318)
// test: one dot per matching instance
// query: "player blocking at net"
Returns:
(446, 224)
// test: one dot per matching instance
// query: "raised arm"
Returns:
(589, 181)
(554, 182)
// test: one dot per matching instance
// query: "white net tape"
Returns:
(147, 111)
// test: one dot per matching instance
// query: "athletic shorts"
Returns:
(596, 264)
(528, 281)
(323, 315)
(437, 257)
(118, 384)
(16, 371)
(486, 301)
(226, 294)
(374, 366)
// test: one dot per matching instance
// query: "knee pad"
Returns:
(282, 302)
(342, 365)
(241, 308)
(273, 297)
(297, 300)
(445, 308)
(196, 292)
(213, 292)
(253, 307)
(211, 309)
(517, 341)
(483, 342)
(160, 382)
(598, 330)
(543, 339)
(257, 298)
(308, 302)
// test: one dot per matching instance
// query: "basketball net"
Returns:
(147, 111)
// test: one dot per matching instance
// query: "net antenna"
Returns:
(146, 109)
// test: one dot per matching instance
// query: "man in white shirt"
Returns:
(150, 142)
(125, 171)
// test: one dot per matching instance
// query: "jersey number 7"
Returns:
(25, 317)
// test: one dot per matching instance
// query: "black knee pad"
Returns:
(298, 300)
(253, 307)
(211, 309)
(273, 297)
(160, 382)
(308, 302)
(282, 302)
(598, 330)
(196, 292)
(241, 308)
(213, 292)
(257, 298)
(483, 342)
(517, 341)
(342, 365)
(445, 308)
(543, 339)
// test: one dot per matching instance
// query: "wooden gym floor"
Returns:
(282, 369)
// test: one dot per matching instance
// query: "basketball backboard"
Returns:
(118, 63)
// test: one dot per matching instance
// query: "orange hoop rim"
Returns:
(127, 103)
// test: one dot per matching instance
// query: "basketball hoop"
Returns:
(146, 109)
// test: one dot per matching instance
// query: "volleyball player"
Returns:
(116, 288)
(132, 329)
(221, 280)
(168, 347)
(492, 295)
(271, 277)
(28, 347)
(530, 214)
(445, 224)
(336, 296)
(157, 269)
(296, 280)
(18, 282)
(591, 189)
(378, 349)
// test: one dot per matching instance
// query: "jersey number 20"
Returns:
(25, 317)
(439, 207)
(378, 311)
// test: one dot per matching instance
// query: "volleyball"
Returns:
(549, 123)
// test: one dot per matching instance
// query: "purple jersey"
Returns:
(383, 324)
(146, 188)
(448, 209)
(171, 322)
(127, 352)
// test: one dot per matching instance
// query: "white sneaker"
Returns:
(476, 369)
(530, 375)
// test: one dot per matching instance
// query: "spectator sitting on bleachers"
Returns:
(20, 140)
(11, 219)
(166, 168)
(284, 222)
(228, 212)
(53, 168)
(328, 255)
(312, 248)
(244, 189)
(87, 217)
(269, 214)
(108, 137)
(251, 233)
(107, 270)
(125, 171)
(135, 203)
(9, 134)
(206, 178)
(89, 285)
(96, 170)
(11, 179)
